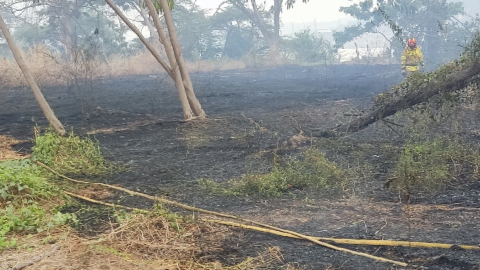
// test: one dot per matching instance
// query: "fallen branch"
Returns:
(454, 82)
(37, 259)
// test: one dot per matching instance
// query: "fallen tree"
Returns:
(417, 89)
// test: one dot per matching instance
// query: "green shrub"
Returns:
(311, 170)
(431, 165)
(308, 47)
(70, 155)
(27, 201)
(22, 179)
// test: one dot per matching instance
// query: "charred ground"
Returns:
(252, 114)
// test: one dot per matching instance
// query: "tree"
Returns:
(257, 14)
(177, 69)
(47, 111)
(431, 22)
(140, 8)
(308, 47)
(70, 27)
(93, 30)
(180, 62)
(234, 31)
(194, 30)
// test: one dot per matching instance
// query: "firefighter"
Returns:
(412, 58)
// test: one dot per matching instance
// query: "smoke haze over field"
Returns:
(309, 31)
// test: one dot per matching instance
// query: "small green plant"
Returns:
(70, 154)
(311, 170)
(431, 165)
(27, 201)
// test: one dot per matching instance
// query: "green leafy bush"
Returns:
(431, 165)
(312, 170)
(21, 179)
(70, 155)
(27, 201)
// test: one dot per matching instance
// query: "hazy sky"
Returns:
(321, 11)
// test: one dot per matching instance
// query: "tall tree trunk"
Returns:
(47, 111)
(194, 103)
(177, 76)
(277, 9)
(187, 111)
(272, 39)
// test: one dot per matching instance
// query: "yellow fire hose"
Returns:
(350, 241)
(292, 234)
(263, 227)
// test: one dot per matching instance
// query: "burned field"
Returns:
(255, 117)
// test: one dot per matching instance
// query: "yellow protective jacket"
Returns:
(412, 59)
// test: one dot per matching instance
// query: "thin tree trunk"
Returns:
(47, 111)
(276, 18)
(194, 103)
(187, 112)
(171, 58)
(261, 25)
(151, 28)
(141, 37)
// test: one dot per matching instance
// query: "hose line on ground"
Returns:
(261, 226)
(290, 234)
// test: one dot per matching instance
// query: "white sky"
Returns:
(319, 10)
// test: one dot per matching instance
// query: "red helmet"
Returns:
(412, 43)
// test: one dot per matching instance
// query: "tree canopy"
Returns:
(433, 23)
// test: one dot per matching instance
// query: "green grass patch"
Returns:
(28, 202)
(430, 166)
(70, 155)
(311, 170)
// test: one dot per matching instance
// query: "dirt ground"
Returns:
(251, 114)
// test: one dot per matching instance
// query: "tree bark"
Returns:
(141, 37)
(453, 82)
(155, 39)
(277, 6)
(47, 111)
(177, 76)
(194, 103)
(260, 23)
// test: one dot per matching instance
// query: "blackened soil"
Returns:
(252, 112)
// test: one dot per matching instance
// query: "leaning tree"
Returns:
(176, 67)
(47, 111)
